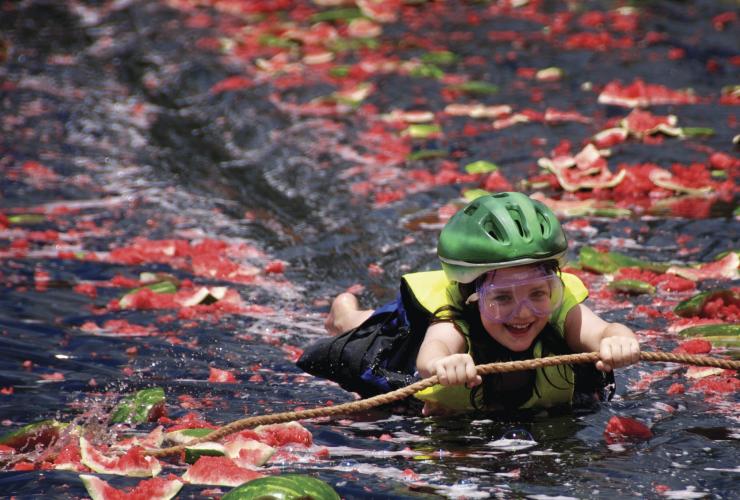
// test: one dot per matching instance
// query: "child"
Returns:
(500, 296)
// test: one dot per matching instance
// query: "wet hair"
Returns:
(501, 391)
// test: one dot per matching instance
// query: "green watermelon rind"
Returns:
(29, 430)
(694, 305)
(184, 436)
(209, 448)
(89, 461)
(632, 286)
(284, 487)
(94, 486)
(610, 262)
(713, 330)
(135, 408)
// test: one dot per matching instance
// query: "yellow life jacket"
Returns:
(553, 384)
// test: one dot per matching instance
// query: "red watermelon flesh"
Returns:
(621, 429)
(132, 463)
(150, 489)
(724, 268)
(219, 471)
(282, 434)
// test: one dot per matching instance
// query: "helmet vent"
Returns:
(470, 209)
(545, 227)
(521, 224)
(492, 226)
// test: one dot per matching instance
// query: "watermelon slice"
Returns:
(694, 306)
(218, 471)
(642, 94)
(150, 489)
(478, 110)
(133, 463)
(641, 123)
(152, 440)
(284, 487)
(184, 436)
(724, 268)
(209, 449)
(145, 405)
(665, 179)
(248, 452)
(282, 434)
(621, 429)
(610, 262)
(29, 436)
(632, 287)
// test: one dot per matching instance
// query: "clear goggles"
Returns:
(502, 298)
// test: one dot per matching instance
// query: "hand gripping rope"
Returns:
(404, 392)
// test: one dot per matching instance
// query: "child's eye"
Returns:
(501, 299)
(539, 295)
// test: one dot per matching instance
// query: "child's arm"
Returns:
(443, 353)
(586, 332)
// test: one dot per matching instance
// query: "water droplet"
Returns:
(520, 434)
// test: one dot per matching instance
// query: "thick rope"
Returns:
(404, 392)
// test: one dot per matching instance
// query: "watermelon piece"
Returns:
(713, 330)
(70, 458)
(642, 94)
(282, 434)
(641, 123)
(184, 436)
(694, 306)
(610, 262)
(209, 449)
(151, 441)
(29, 436)
(218, 471)
(149, 489)
(610, 137)
(665, 179)
(284, 487)
(133, 463)
(146, 405)
(478, 110)
(161, 287)
(724, 268)
(248, 452)
(621, 429)
(632, 287)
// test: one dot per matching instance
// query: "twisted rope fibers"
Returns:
(404, 392)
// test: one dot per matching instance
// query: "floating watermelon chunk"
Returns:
(724, 268)
(146, 405)
(133, 463)
(184, 436)
(694, 306)
(149, 489)
(641, 123)
(218, 471)
(282, 434)
(284, 487)
(642, 94)
(248, 452)
(610, 262)
(621, 429)
(29, 436)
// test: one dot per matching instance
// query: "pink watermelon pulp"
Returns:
(150, 489)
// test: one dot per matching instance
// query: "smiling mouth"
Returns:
(518, 329)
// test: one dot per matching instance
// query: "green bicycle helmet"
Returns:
(499, 230)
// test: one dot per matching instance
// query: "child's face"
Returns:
(515, 304)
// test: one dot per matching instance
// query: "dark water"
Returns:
(116, 99)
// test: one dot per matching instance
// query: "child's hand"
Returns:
(456, 369)
(616, 352)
